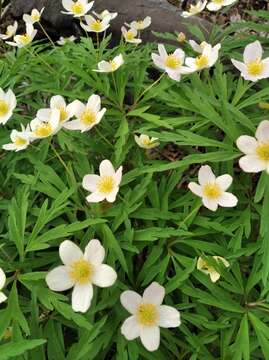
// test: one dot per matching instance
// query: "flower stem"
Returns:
(46, 34)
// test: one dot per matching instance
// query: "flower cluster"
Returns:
(212, 5)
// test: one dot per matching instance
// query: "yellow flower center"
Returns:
(255, 67)
(81, 272)
(88, 117)
(3, 108)
(106, 184)
(147, 314)
(63, 114)
(263, 151)
(219, 2)
(201, 61)
(146, 142)
(24, 39)
(172, 61)
(43, 130)
(97, 25)
(35, 16)
(140, 25)
(212, 190)
(113, 65)
(20, 141)
(129, 35)
(77, 8)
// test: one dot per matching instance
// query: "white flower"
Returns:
(148, 315)
(208, 269)
(20, 139)
(208, 58)
(172, 64)
(145, 142)
(105, 13)
(22, 40)
(194, 9)
(140, 24)
(8, 103)
(2, 284)
(81, 271)
(212, 190)
(77, 8)
(253, 68)
(256, 150)
(111, 65)
(95, 25)
(34, 17)
(104, 186)
(64, 40)
(11, 31)
(215, 5)
(130, 35)
(87, 115)
(42, 128)
(57, 102)
(198, 47)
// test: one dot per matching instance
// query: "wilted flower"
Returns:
(104, 14)
(172, 64)
(148, 315)
(111, 65)
(23, 40)
(87, 115)
(130, 35)
(77, 8)
(194, 9)
(207, 59)
(11, 31)
(95, 25)
(145, 142)
(140, 24)
(81, 271)
(2, 284)
(256, 150)
(212, 190)
(34, 17)
(253, 68)
(42, 128)
(215, 5)
(8, 103)
(20, 139)
(208, 269)
(57, 102)
(104, 186)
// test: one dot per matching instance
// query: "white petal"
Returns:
(252, 164)
(210, 204)
(58, 279)
(213, 7)
(118, 175)
(57, 102)
(196, 189)
(130, 328)
(158, 61)
(228, 200)
(154, 293)
(94, 252)
(179, 53)
(111, 197)
(81, 297)
(262, 133)
(43, 114)
(104, 276)
(106, 168)
(214, 276)
(174, 74)
(247, 144)
(73, 125)
(94, 103)
(69, 252)
(265, 72)
(67, 4)
(205, 175)
(150, 337)
(239, 65)
(130, 300)
(90, 182)
(76, 108)
(162, 51)
(2, 279)
(253, 52)
(2, 297)
(224, 181)
(95, 197)
(169, 317)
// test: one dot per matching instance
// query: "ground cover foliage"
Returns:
(157, 228)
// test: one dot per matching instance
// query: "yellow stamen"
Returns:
(113, 65)
(24, 39)
(88, 117)
(147, 314)
(212, 190)
(81, 271)
(129, 35)
(219, 2)
(263, 151)
(106, 184)
(3, 108)
(35, 17)
(44, 130)
(255, 68)
(63, 114)
(20, 141)
(77, 8)
(201, 61)
(97, 25)
(172, 61)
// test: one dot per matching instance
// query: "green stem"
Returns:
(102, 136)
(46, 34)
(33, 53)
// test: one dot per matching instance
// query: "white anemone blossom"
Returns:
(8, 103)
(25, 39)
(96, 25)
(111, 65)
(207, 59)
(19, 139)
(198, 47)
(64, 40)
(34, 17)
(212, 189)
(81, 271)
(2, 284)
(77, 8)
(194, 9)
(208, 269)
(57, 102)
(104, 186)
(253, 68)
(140, 24)
(130, 35)
(215, 5)
(10, 31)
(105, 13)
(148, 315)
(145, 142)
(44, 127)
